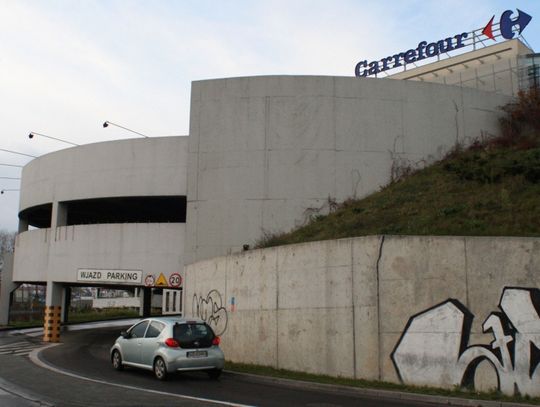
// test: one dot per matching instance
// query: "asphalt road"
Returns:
(86, 354)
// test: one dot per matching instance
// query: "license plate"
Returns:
(197, 354)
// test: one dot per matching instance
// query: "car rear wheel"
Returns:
(117, 360)
(214, 373)
(160, 369)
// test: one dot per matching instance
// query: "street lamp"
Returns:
(8, 190)
(16, 152)
(11, 165)
(107, 123)
(33, 133)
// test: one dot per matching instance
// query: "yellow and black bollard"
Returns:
(51, 326)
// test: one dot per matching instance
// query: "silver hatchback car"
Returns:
(168, 345)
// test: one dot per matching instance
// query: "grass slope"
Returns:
(491, 188)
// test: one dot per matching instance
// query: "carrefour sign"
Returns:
(431, 49)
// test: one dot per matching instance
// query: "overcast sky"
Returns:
(67, 66)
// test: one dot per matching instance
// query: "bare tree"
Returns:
(7, 243)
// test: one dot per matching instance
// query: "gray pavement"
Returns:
(78, 373)
(8, 399)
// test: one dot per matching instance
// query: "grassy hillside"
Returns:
(491, 188)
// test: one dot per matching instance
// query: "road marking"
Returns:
(9, 345)
(19, 348)
(34, 357)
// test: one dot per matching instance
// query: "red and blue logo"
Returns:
(507, 24)
(508, 28)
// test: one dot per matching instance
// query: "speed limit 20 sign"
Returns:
(175, 280)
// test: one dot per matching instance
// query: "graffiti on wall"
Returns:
(212, 310)
(434, 348)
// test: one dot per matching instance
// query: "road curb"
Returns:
(379, 393)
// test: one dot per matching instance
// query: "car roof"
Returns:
(172, 320)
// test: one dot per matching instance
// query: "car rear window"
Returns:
(195, 335)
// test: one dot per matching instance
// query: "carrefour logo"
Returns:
(507, 24)
(427, 50)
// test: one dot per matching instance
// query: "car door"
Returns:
(131, 347)
(150, 343)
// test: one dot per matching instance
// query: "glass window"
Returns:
(154, 329)
(138, 330)
(193, 335)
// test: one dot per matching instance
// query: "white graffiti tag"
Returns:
(433, 349)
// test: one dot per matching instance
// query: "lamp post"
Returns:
(16, 152)
(11, 165)
(107, 123)
(33, 133)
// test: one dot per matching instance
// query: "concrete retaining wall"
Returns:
(342, 307)
(266, 153)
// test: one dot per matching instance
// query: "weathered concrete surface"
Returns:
(153, 248)
(132, 167)
(122, 168)
(266, 153)
(342, 307)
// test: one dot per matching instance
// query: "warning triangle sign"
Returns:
(161, 281)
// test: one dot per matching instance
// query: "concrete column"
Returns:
(141, 302)
(59, 215)
(66, 301)
(53, 312)
(53, 294)
(147, 302)
(8, 286)
(23, 225)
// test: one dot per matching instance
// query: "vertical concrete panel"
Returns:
(300, 174)
(494, 263)
(301, 123)
(226, 176)
(252, 337)
(415, 273)
(201, 279)
(252, 280)
(315, 319)
(321, 279)
(316, 340)
(365, 257)
(282, 85)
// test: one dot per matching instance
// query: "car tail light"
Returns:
(216, 341)
(172, 343)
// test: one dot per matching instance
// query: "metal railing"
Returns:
(524, 75)
(475, 40)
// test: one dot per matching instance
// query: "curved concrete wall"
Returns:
(265, 153)
(48, 255)
(382, 308)
(132, 167)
